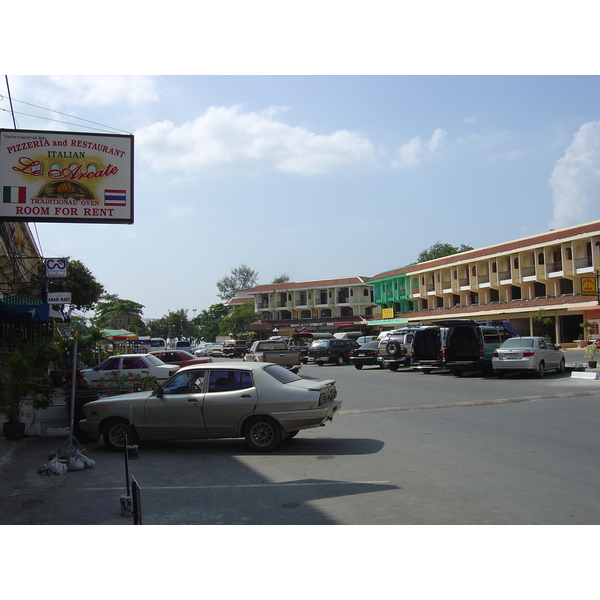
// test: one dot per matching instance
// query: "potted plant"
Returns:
(590, 354)
(23, 379)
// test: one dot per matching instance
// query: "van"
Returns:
(417, 347)
(468, 345)
(183, 345)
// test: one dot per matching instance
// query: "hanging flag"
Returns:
(14, 194)
(115, 197)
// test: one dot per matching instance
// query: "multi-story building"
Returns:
(541, 277)
(327, 305)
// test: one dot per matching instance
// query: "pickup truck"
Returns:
(274, 351)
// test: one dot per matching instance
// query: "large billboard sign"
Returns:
(58, 176)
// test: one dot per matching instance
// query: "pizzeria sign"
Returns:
(58, 176)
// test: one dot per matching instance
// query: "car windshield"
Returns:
(370, 346)
(281, 373)
(518, 343)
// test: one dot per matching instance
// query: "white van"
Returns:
(183, 345)
(157, 344)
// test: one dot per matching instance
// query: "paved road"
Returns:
(407, 448)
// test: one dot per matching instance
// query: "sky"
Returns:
(318, 174)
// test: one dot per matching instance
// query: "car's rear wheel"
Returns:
(262, 434)
(541, 370)
(115, 432)
(499, 374)
(393, 366)
(359, 367)
(340, 359)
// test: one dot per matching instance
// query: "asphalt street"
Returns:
(407, 448)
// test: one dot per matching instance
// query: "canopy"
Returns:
(119, 334)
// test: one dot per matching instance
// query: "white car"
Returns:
(128, 364)
(527, 354)
(261, 402)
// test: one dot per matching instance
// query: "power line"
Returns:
(103, 127)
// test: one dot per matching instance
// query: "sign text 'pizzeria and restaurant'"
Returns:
(58, 176)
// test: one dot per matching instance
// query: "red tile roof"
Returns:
(305, 285)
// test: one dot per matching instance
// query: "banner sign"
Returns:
(61, 176)
(387, 313)
(56, 268)
(588, 286)
(59, 298)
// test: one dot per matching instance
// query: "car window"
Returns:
(111, 364)
(491, 336)
(134, 362)
(186, 355)
(154, 360)
(281, 373)
(320, 344)
(543, 345)
(185, 383)
(227, 381)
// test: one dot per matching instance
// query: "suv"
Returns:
(419, 347)
(235, 348)
(469, 345)
(335, 351)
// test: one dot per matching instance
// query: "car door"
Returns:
(101, 372)
(230, 396)
(177, 411)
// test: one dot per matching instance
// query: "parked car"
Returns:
(365, 355)
(235, 348)
(330, 351)
(528, 355)
(261, 402)
(180, 357)
(468, 345)
(125, 364)
(207, 350)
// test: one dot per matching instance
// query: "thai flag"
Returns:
(115, 197)
(14, 194)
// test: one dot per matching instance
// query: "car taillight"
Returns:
(495, 354)
(264, 357)
(528, 353)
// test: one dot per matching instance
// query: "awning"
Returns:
(119, 335)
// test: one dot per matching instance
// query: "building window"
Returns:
(541, 258)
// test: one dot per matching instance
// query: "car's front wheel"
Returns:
(561, 366)
(262, 434)
(115, 432)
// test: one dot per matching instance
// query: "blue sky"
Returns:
(319, 176)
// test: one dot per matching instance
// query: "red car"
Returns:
(180, 357)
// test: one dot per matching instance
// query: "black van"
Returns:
(417, 347)
(468, 345)
(333, 350)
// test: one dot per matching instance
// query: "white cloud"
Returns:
(575, 180)
(412, 153)
(256, 141)
(105, 90)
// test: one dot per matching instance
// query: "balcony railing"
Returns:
(581, 263)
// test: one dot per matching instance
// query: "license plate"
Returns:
(311, 359)
(510, 356)
(361, 354)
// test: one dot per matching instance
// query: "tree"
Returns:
(283, 278)
(440, 249)
(241, 278)
(208, 322)
(113, 312)
(240, 317)
(84, 287)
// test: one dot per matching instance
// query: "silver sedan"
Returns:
(528, 354)
(261, 402)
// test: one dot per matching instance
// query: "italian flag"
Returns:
(14, 194)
